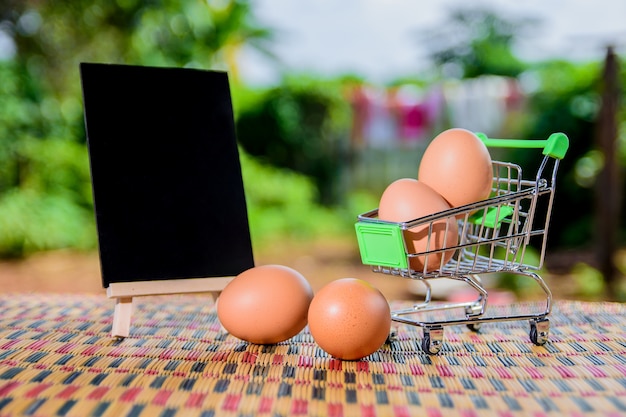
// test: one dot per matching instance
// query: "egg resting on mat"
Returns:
(349, 318)
(265, 304)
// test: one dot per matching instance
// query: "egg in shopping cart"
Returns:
(266, 304)
(349, 318)
(457, 165)
(407, 199)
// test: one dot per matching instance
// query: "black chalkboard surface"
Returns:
(165, 171)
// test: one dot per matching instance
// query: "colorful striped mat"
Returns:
(57, 359)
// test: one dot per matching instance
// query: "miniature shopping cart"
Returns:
(494, 237)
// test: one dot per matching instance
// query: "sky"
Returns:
(376, 38)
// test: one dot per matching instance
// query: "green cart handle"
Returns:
(555, 146)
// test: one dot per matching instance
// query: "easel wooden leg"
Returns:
(121, 317)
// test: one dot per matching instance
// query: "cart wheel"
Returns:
(539, 331)
(433, 339)
(475, 327)
(473, 310)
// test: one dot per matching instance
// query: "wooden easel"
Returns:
(124, 292)
(168, 191)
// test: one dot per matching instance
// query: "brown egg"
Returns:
(265, 304)
(349, 318)
(407, 199)
(457, 165)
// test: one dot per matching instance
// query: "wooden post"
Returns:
(608, 186)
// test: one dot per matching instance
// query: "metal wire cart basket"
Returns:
(493, 238)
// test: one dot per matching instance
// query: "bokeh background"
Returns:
(333, 101)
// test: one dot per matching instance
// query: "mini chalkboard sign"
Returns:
(168, 192)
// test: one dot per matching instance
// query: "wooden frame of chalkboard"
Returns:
(168, 192)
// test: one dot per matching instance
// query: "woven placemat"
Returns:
(57, 359)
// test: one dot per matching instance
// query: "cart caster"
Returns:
(433, 339)
(539, 331)
(474, 310)
(475, 327)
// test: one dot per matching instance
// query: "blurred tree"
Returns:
(589, 187)
(567, 100)
(300, 125)
(52, 37)
(207, 34)
(45, 194)
(45, 199)
(475, 41)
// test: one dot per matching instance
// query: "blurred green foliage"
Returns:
(293, 136)
(282, 204)
(568, 101)
(45, 189)
(588, 281)
(45, 194)
(301, 125)
(52, 37)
